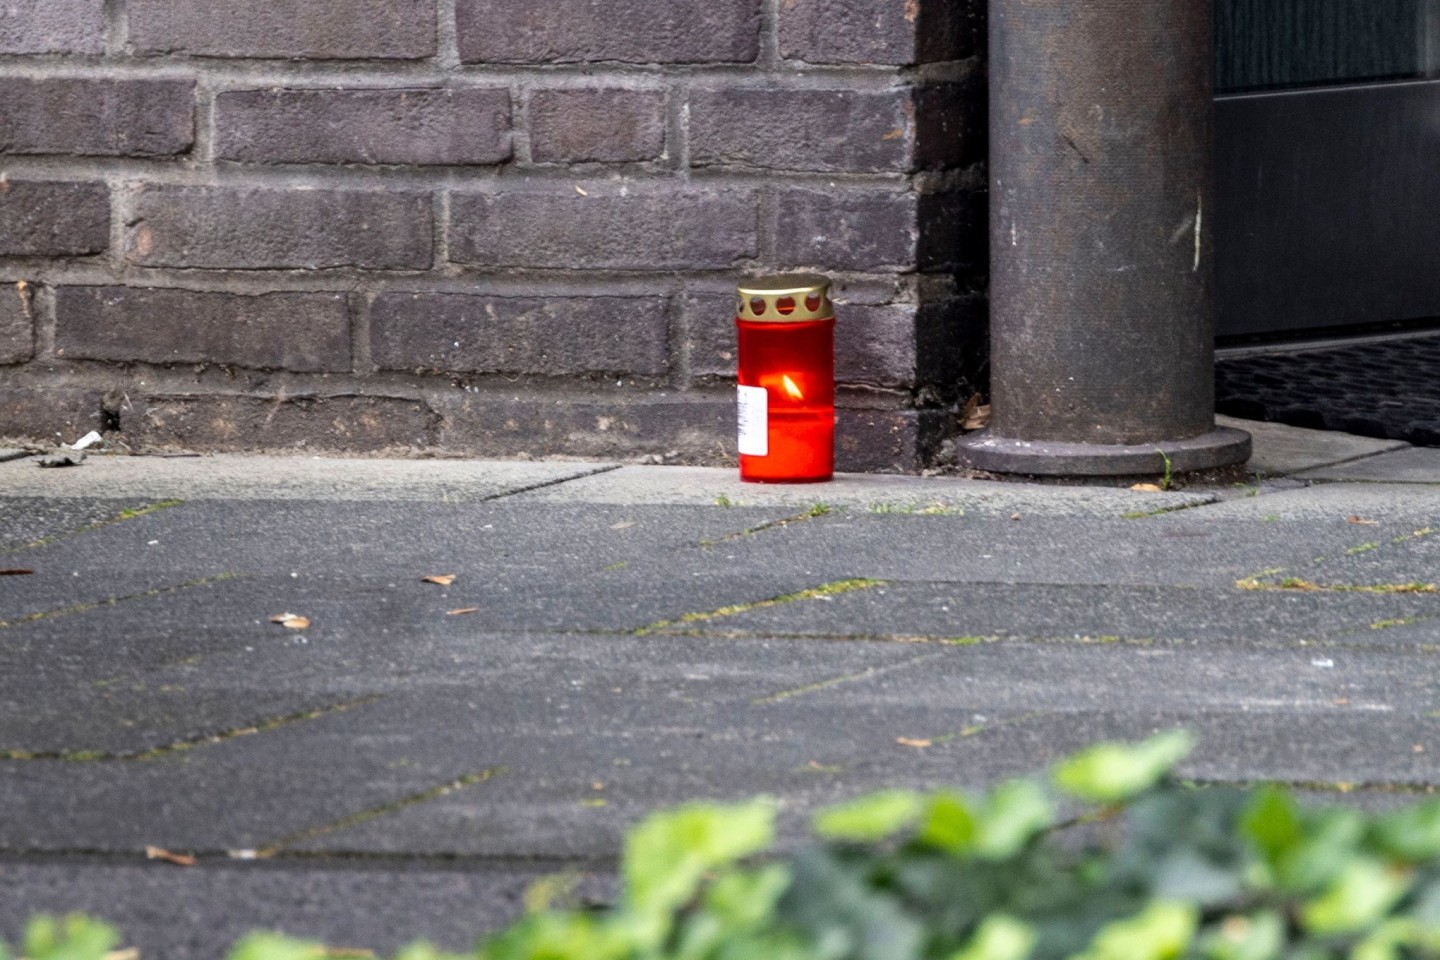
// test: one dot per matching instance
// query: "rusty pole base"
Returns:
(1221, 447)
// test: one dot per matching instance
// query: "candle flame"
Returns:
(791, 388)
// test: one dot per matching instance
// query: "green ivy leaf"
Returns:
(668, 854)
(1272, 821)
(1015, 812)
(424, 950)
(948, 823)
(1113, 772)
(1412, 834)
(1162, 931)
(564, 936)
(1239, 937)
(275, 946)
(75, 937)
(1331, 839)
(1386, 942)
(877, 816)
(1359, 898)
(999, 938)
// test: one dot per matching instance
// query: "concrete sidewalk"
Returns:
(619, 638)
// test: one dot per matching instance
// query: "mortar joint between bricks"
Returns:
(770, 35)
(447, 47)
(677, 129)
(117, 28)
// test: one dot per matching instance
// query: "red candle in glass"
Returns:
(786, 329)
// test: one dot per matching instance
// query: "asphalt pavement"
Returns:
(490, 669)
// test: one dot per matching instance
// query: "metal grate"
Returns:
(1388, 389)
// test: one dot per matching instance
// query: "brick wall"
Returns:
(486, 227)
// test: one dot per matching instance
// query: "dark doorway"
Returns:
(1328, 166)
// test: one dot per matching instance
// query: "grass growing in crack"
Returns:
(75, 608)
(129, 513)
(365, 816)
(1363, 548)
(1308, 586)
(180, 746)
(833, 589)
(923, 510)
(1397, 622)
(1166, 481)
(815, 510)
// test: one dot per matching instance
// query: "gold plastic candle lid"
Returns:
(785, 299)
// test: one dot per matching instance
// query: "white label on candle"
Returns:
(754, 421)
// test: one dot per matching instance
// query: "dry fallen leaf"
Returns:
(622, 525)
(1014, 516)
(291, 620)
(582, 191)
(976, 416)
(1148, 488)
(444, 579)
(461, 611)
(1363, 522)
(160, 853)
(918, 744)
(16, 573)
(129, 953)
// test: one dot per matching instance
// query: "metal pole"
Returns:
(1102, 344)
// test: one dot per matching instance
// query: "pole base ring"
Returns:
(1221, 447)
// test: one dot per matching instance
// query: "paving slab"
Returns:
(1280, 449)
(1329, 503)
(967, 612)
(169, 913)
(29, 520)
(233, 477)
(1184, 549)
(1404, 563)
(483, 543)
(880, 494)
(1412, 465)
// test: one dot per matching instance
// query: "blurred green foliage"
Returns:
(1107, 858)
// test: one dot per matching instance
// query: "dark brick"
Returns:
(101, 118)
(288, 331)
(952, 335)
(630, 31)
(45, 219)
(895, 32)
(251, 228)
(642, 231)
(615, 126)
(954, 232)
(710, 334)
(852, 230)
(824, 130)
(553, 336)
(348, 424)
(695, 427)
(951, 125)
(49, 414)
(364, 126)
(311, 29)
(699, 427)
(874, 343)
(17, 323)
(52, 26)
(886, 441)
